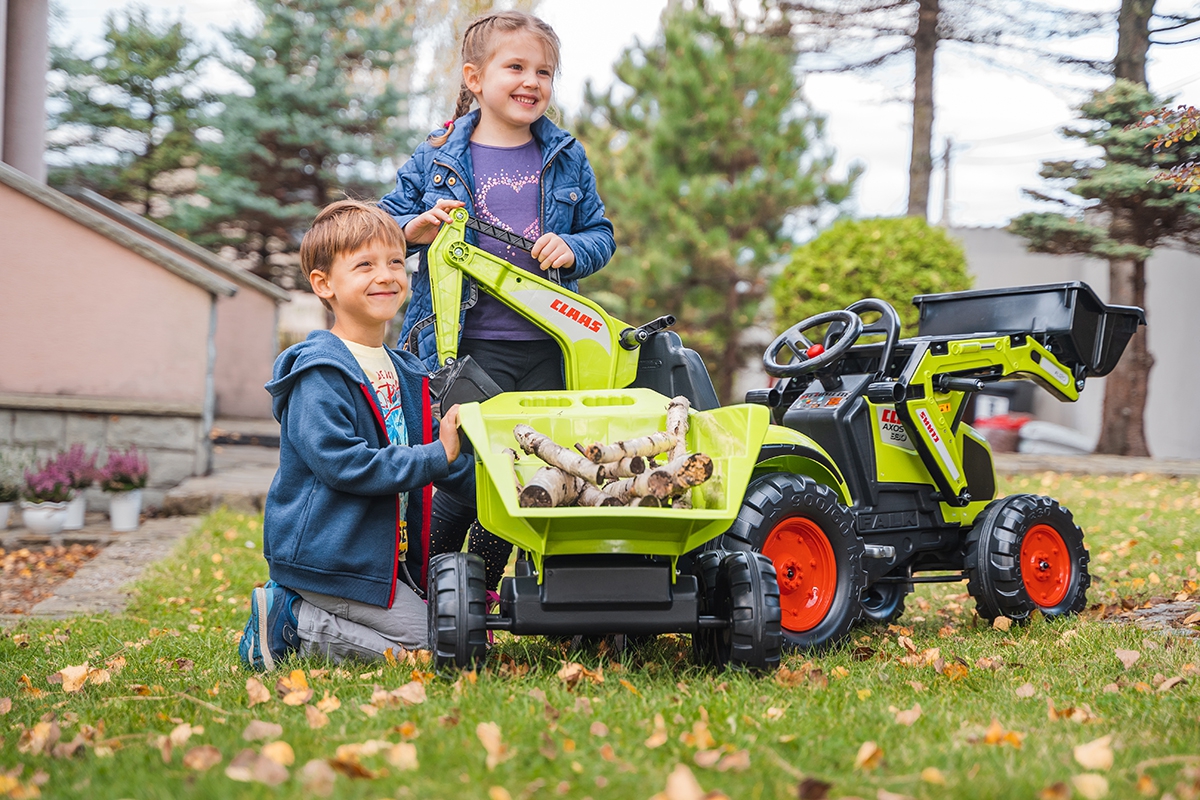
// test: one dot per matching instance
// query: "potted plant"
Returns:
(47, 492)
(81, 470)
(123, 476)
(10, 487)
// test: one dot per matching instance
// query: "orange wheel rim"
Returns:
(1045, 565)
(806, 570)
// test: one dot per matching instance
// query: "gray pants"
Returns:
(338, 629)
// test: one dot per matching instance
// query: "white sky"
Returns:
(1002, 125)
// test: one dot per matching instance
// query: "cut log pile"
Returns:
(624, 473)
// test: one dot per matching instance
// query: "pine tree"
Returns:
(121, 121)
(323, 117)
(708, 161)
(1128, 215)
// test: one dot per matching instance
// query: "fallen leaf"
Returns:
(955, 671)
(1026, 690)
(1146, 786)
(659, 737)
(298, 697)
(257, 692)
(1081, 714)
(1090, 785)
(294, 681)
(706, 759)
(257, 729)
(682, 785)
(598, 729)
(1055, 791)
(1096, 754)
(607, 752)
(5, 705)
(73, 678)
(181, 733)
(910, 715)
(884, 794)
(773, 713)
(329, 703)
(840, 672)
(988, 662)
(98, 676)
(489, 736)
(1128, 657)
(250, 766)
(412, 693)
(39, 739)
(630, 687)
(280, 752)
(1170, 683)
(202, 758)
(318, 777)
(1001, 624)
(933, 775)
(813, 789)
(869, 756)
(368, 709)
(548, 749)
(498, 793)
(572, 673)
(737, 761)
(316, 717)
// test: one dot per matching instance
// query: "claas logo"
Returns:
(570, 312)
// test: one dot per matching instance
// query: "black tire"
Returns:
(748, 596)
(1003, 585)
(779, 501)
(705, 566)
(884, 602)
(457, 610)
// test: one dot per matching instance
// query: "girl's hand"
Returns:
(448, 433)
(552, 252)
(423, 229)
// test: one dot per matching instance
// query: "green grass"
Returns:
(193, 607)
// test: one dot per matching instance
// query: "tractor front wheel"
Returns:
(1025, 552)
(748, 597)
(809, 536)
(884, 602)
(457, 610)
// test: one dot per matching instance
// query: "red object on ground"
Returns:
(1005, 422)
(815, 350)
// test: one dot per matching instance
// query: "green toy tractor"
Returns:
(833, 493)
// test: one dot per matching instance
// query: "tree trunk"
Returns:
(921, 163)
(1123, 430)
(1133, 40)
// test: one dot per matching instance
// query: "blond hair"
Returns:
(343, 227)
(479, 45)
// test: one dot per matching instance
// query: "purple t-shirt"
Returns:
(508, 195)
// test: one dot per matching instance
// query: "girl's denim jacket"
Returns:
(570, 207)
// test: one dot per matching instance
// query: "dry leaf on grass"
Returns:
(1081, 714)
(1170, 683)
(5, 705)
(1096, 754)
(707, 759)
(202, 758)
(870, 755)
(681, 785)
(659, 737)
(318, 777)
(280, 752)
(1055, 791)
(933, 775)
(1090, 785)
(316, 717)
(249, 766)
(256, 692)
(498, 793)
(1002, 623)
(996, 734)
(773, 713)
(1128, 657)
(737, 761)
(489, 736)
(40, 739)
(813, 789)
(402, 756)
(598, 729)
(71, 678)
(257, 729)
(1026, 690)
(907, 716)
(572, 673)
(884, 794)
(329, 703)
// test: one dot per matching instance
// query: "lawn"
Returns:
(937, 706)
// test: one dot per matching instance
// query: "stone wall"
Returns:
(174, 444)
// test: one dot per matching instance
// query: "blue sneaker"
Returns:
(273, 621)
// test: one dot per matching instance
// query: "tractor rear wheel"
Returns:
(809, 536)
(457, 610)
(1025, 552)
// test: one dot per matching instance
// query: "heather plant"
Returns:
(79, 466)
(12, 470)
(49, 483)
(123, 471)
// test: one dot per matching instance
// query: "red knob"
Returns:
(814, 351)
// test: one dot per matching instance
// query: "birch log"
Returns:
(652, 445)
(691, 470)
(591, 496)
(556, 455)
(512, 457)
(550, 487)
(677, 426)
(625, 468)
(655, 482)
(649, 501)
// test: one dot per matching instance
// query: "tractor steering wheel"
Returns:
(811, 357)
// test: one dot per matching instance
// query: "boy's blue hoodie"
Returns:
(332, 515)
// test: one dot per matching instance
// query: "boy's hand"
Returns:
(422, 229)
(448, 433)
(552, 252)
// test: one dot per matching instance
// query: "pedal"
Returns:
(879, 551)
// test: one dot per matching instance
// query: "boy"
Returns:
(358, 450)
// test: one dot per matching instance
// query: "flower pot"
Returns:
(5, 511)
(124, 508)
(76, 510)
(46, 519)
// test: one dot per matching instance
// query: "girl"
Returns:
(512, 167)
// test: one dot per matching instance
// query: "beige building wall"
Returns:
(246, 350)
(82, 316)
(997, 258)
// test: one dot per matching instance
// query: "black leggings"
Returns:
(525, 366)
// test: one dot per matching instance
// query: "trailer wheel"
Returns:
(1025, 552)
(884, 602)
(809, 536)
(748, 596)
(705, 566)
(457, 610)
